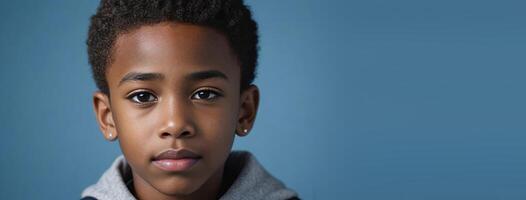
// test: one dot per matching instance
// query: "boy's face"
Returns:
(175, 86)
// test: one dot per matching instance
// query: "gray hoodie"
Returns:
(252, 181)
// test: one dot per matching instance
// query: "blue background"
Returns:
(374, 99)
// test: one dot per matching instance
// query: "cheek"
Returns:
(134, 132)
(217, 129)
(216, 125)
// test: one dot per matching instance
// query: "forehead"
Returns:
(172, 49)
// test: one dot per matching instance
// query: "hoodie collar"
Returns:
(249, 180)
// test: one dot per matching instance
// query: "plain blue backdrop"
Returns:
(373, 99)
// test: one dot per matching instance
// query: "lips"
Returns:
(176, 160)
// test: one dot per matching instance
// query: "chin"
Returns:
(178, 187)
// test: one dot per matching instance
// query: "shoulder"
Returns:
(250, 180)
(112, 184)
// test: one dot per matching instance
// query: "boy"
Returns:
(175, 80)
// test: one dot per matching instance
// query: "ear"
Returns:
(102, 107)
(248, 109)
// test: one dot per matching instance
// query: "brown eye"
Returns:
(206, 95)
(143, 97)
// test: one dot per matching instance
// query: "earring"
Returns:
(110, 136)
(242, 132)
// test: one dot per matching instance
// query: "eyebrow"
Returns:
(138, 76)
(202, 75)
(196, 76)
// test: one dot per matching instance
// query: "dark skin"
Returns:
(173, 86)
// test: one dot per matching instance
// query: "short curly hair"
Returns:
(114, 17)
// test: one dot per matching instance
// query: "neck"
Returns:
(211, 189)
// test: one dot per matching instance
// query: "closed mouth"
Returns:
(176, 160)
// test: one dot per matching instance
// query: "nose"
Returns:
(176, 119)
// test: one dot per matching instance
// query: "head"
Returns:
(174, 75)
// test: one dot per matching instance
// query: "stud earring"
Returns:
(110, 136)
(245, 130)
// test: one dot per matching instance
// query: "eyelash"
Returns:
(210, 91)
(134, 96)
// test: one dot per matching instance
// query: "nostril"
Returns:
(184, 134)
(165, 134)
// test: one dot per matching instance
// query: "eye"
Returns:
(142, 97)
(206, 94)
